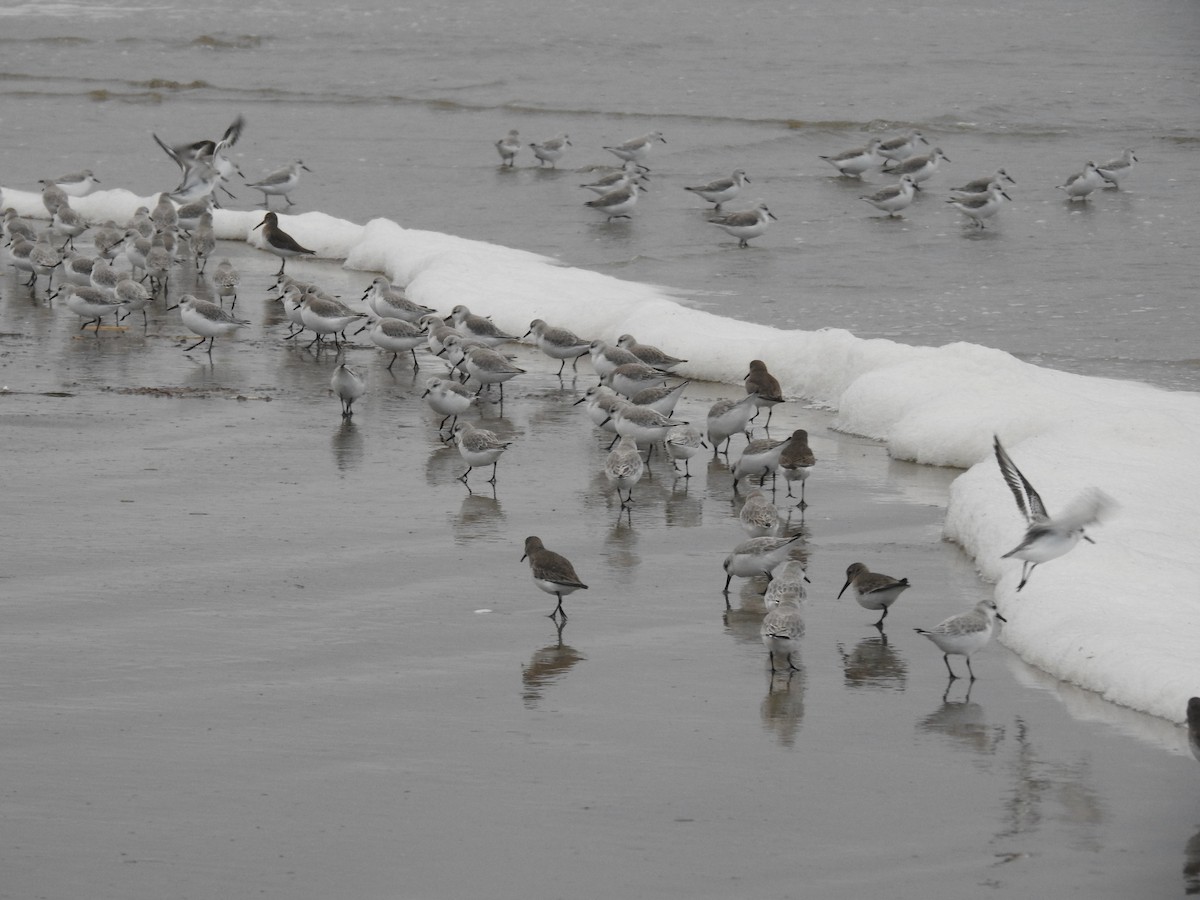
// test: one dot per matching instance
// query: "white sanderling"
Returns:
(164, 214)
(552, 573)
(781, 630)
(281, 182)
(389, 302)
(745, 224)
(760, 457)
(107, 239)
(630, 378)
(291, 297)
(796, 462)
(188, 215)
(722, 189)
(90, 304)
(77, 268)
(349, 385)
(103, 277)
(979, 185)
(77, 184)
(141, 223)
(454, 350)
(616, 204)
(323, 316)
(606, 357)
(447, 398)
(206, 319)
(765, 386)
(901, 148)
(397, 336)
(437, 331)
(636, 149)
(894, 199)
(981, 206)
(757, 556)
(15, 226)
(69, 223)
(203, 241)
(199, 182)
(19, 251)
(488, 367)
(854, 162)
(508, 146)
(649, 354)
(133, 297)
(643, 424)
(1045, 538)
(662, 398)
(873, 590)
(919, 168)
(207, 153)
(279, 242)
(480, 328)
(44, 258)
(551, 150)
(226, 280)
(1081, 184)
(629, 172)
(624, 467)
(965, 633)
(478, 447)
(158, 265)
(601, 401)
(727, 418)
(1116, 169)
(53, 196)
(759, 516)
(684, 443)
(558, 343)
(787, 586)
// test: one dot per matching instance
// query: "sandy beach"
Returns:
(251, 649)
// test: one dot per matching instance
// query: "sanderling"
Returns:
(478, 447)
(1082, 183)
(636, 149)
(722, 189)
(624, 468)
(164, 214)
(919, 168)
(53, 196)
(349, 385)
(508, 146)
(892, 200)
(606, 357)
(325, 316)
(226, 280)
(397, 336)
(19, 252)
(437, 331)
(760, 458)
(765, 387)
(854, 162)
(601, 401)
(206, 153)
(15, 226)
(965, 633)
(389, 302)
(758, 515)
(103, 276)
(487, 367)
(558, 343)
(107, 239)
(141, 223)
(199, 182)
(661, 398)
(745, 224)
(630, 378)
(757, 556)
(796, 462)
(629, 172)
(447, 398)
(1045, 538)
(44, 258)
(203, 241)
(979, 185)
(787, 585)
(188, 215)
(77, 268)
(480, 328)
(77, 184)
(206, 319)
(643, 424)
(727, 418)
(873, 590)
(901, 148)
(550, 151)
(90, 304)
(980, 206)
(684, 443)
(133, 297)
(68, 223)
(616, 204)
(551, 572)
(281, 182)
(1116, 169)
(158, 265)
(649, 354)
(781, 630)
(279, 242)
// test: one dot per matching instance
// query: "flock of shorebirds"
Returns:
(634, 400)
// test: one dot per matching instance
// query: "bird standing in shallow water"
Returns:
(552, 573)
(207, 319)
(747, 224)
(873, 590)
(765, 387)
(965, 633)
(280, 242)
(796, 462)
(478, 447)
(349, 386)
(280, 182)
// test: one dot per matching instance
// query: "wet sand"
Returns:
(252, 649)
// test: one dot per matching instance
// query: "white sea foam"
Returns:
(1121, 618)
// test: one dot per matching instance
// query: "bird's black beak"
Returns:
(1001, 618)
(843, 590)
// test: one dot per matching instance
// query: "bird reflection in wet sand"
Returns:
(873, 663)
(480, 517)
(782, 709)
(1193, 726)
(1191, 866)
(964, 723)
(347, 446)
(547, 666)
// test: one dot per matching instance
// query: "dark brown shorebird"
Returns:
(766, 386)
(552, 572)
(873, 590)
(280, 242)
(796, 462)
